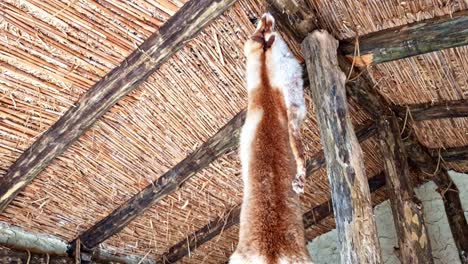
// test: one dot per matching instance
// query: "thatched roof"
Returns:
(52, 52)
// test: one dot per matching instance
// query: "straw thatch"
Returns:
(51, 52)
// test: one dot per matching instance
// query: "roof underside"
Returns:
(51, 52)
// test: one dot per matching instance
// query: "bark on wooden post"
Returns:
(406, 208)
(357, 232)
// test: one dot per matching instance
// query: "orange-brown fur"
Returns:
(271, 219)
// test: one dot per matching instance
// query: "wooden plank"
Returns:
(136, 68)
(346, 173)
(222, 142)
(410, 40)
(231, 218)
(428, 111)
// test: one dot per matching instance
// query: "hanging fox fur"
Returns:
(273, 170)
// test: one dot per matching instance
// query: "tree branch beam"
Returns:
(429, 111)
(409, 40)
(222, 142)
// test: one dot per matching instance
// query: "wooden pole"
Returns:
(413, 239)
(357, 231)
(137, 67)
(410, 40)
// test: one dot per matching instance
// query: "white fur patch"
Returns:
(246, 140)
(285, 73)
(253, 71)
(237, 259)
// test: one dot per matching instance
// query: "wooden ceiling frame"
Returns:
(158, 48)
(296, 19)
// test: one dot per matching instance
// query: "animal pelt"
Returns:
(271, 152)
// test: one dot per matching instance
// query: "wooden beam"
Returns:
(346, 173)
(25, 257)
(450, 154)
(410, 40)
(447, 189)
(382, 46)
(222, 142)
(17, 238)
(231, 218)
(428, 111)
(136, 68)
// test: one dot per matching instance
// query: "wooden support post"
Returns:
(357, 231)
(137, 67)
(413, 239)
(449, 192)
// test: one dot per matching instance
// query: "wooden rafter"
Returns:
(137, 67)
(450, 154)
(18, 256)
(410, 40)
(420, 112)
(223, 141)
